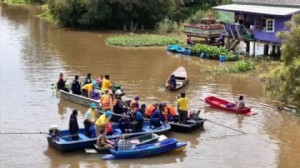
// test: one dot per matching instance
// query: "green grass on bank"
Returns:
(141, 40)
(47, 16)
(243, 66)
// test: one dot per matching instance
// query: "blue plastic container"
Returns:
(222, 58)
(202, 55)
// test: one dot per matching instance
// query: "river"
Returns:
(33, 52)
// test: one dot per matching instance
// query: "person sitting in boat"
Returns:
(123, 143)
(99, 80)
(150, 110)
(135, 100)
(102, 142)
(182, 108)
(168, 111)
(136, 119)
(87, 89)
(61, 83)
(117, 105)
(101, 122)
(106, 83)
(172, 82)
(105, 100)
(124, 124)
(89, 120)
(241, 103)
(73, 125)
(88, 79)
(143, 109)
(156, 119)
(108, 129)
(76, 87)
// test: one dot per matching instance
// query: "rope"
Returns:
(226, 127)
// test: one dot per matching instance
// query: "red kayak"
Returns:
(222, 104)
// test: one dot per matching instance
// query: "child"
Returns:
(102, 141)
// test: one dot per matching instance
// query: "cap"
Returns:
(136, 97)
(93, 105)
(163, 104)
(118, 92)
(108, 113)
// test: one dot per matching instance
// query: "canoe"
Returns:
(78, 98)
(137, 141)
(64, 143)
(146, 150)
(189, 126)
(180, 76)
(222, 104)
(177, 49)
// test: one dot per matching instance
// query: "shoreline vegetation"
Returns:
(140, 40)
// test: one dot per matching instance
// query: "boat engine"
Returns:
(54, 131)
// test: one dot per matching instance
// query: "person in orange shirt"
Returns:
(150, 110)
(105, 100)
(167, 111)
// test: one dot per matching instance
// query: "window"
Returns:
(270, 25)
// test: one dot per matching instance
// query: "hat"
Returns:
(108, 113)
(95, 85)
(163, 104)
(136, 97)
(119, 92)
(93, 105)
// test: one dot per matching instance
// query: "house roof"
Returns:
(290, 3)
(259, 9)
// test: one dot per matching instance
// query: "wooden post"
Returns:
(247, 47)
(253, 54)
(266, 49)
(279, 51)
(273, 50)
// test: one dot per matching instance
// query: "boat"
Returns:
(177, 49)
(222, 104)
(63, 142)
(137, 141)
(145, 150)
(189, 126)
(78, 98)
(180, 76)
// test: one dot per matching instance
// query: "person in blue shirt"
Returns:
(124, 124)
(172, 82)
(136, 118)
(156, 119)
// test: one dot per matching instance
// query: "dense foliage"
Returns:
(23, 1)
(213, 52)
(238, 67)
(284, 81)
(140, 40)
(126, 14)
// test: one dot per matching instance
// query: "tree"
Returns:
(284, 81)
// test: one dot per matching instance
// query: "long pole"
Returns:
(6, 133)
(226, 126)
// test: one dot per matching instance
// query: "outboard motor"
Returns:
(54, 132)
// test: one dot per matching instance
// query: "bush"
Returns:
(140, 40)
(166, 26)
(213, 52)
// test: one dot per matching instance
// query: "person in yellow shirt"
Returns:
(183, 108)
(89, 119)
(87, 89)
(102, 121)
(106, 84)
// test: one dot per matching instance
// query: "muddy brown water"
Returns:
(33, 52)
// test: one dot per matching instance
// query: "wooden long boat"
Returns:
(79, 99)
(64, 143)
(180, 76)
(222, 104)
(137, 141)
(146, 150)
(189, 126)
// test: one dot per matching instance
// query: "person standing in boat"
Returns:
(102, 121)
(183, 108)
(88, 79)
(106, 84)
(61, 83)
(73, 125)
(89, 120)
(76, 88)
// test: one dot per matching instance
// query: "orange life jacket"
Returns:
(168, 110)
(105, 101)
(150, 109)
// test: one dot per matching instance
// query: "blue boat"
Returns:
(145, 150)
(177, 49)
(64, 143)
